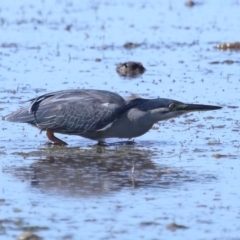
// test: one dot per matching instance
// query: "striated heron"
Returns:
(98, 114)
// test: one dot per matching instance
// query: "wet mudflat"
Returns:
(180, 180)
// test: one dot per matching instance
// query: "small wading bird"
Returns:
(130, 69)
(97, 114)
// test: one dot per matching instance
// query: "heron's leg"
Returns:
(54, 139)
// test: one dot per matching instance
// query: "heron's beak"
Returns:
(199, 107)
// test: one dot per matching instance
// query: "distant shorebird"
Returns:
(130, 69)
(97, 114)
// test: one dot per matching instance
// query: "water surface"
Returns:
(180, 180)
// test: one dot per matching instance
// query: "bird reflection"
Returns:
(77, 172)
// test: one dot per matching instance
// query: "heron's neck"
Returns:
(157, 116)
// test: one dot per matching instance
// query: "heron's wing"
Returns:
(74, 117)
(77, 113)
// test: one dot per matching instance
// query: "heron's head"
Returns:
(163, 109)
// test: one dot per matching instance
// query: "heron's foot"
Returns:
(61, 144)
(102, 143)
(130, 142)
(54, 139)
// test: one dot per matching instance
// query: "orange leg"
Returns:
(54, 139)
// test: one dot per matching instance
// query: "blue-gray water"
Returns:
(184, 171)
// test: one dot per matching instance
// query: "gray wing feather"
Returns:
(76, 111)
(71, 111)
(75, 117)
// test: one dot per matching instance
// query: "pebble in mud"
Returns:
(174, 226)
(130, 45)
(28, 236)
(130, 69)
(228, 46)
(189, 3)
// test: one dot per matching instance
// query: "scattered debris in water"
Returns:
(233, 107)
(68, 27)
(146, 224)
(224, 62)
(218, 155)
(28, 236)
(130, 45)
(228, 46)
(190, 3)
(9, 45)
(174, 226)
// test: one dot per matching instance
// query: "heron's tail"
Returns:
(22, 115)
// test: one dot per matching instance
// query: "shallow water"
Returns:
(180, 180)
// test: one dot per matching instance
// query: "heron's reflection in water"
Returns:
(75, 172)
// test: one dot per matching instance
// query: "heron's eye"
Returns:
(172, 106)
